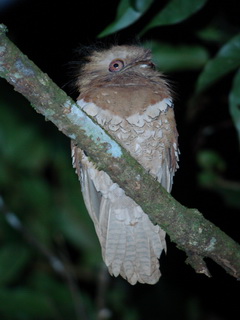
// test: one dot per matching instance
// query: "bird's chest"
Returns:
(143, 133)
(124, 101)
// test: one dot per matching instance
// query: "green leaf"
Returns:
(128, 12)
(210, 161)
(175, 12)
(25, 304)
(13, 258)
(212, 33)
(57, 291)
(234, 102)
(227, 59)
(169, 58)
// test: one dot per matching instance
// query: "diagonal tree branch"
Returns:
(191, 232)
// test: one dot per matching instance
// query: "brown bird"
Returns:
(123, 92)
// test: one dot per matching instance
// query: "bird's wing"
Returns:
(131, 244)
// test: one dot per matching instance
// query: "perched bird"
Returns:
(123, 92)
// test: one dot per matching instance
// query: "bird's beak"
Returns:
(141, 64)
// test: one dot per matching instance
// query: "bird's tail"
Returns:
(131, 244)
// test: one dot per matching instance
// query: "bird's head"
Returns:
(118, 66)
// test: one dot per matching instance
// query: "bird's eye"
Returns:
(116, 65)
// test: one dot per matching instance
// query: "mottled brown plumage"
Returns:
(123, 92)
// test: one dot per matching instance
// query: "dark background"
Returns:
(32, 150)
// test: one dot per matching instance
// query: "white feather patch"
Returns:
(153, 111)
